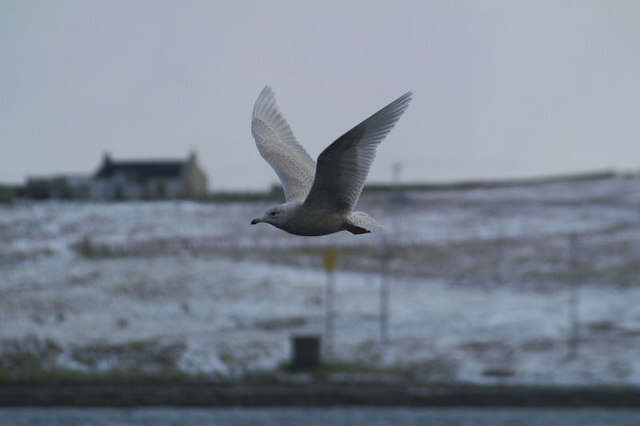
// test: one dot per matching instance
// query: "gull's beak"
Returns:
(256, 220)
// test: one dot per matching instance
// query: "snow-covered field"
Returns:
(479, 285)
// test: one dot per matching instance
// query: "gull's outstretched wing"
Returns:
(280, 148)
(343, 166)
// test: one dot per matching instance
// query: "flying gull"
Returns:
(319, 198)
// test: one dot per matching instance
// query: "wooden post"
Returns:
(574, 299)
(330, 260)
(384, 295)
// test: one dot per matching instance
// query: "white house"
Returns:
(148, 179)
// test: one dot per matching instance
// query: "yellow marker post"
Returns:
(330, 261)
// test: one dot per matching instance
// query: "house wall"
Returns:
(96, 190)
(195, 181)
(191, 183)
(163, 188)
(129, 191)
(175, 188)
(63, 187)
(115, 188)
(121, 188)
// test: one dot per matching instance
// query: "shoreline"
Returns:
(312, 394)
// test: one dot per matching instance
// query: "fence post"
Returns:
(330, 260)
(384, 295)
(574, 299)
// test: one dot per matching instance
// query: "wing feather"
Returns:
(279, 147)
(344, 165)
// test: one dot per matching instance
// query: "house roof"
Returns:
(141, 169)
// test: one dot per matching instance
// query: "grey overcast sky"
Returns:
(501, 88)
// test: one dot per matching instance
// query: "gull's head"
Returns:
(275, 216)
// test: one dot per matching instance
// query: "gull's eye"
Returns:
(272, 213)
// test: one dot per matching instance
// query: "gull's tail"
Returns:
(362, 223)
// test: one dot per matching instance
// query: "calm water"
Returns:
(318, 416)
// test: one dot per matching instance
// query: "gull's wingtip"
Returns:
(401, 104)
(406, 98)
(398, 106)
(266, 89)
(266, 100)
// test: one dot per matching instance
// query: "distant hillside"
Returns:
(275, 192)
(484, 184)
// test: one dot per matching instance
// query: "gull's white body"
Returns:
(296, 218)
(320, 198)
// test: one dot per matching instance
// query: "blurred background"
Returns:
(509, 191)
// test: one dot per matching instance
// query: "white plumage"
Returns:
(280, 148)
(319, 198)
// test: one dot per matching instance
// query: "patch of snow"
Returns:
(161, 279)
